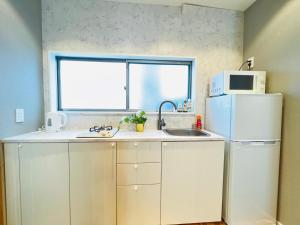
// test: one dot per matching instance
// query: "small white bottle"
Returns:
(179, 108)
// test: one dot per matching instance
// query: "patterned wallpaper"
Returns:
(213, 36)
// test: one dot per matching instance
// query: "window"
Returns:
(120, 84)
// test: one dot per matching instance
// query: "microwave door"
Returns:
(241, 82)
(238, 83)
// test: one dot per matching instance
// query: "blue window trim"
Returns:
(117, 60)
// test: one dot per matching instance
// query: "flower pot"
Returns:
(139, 127)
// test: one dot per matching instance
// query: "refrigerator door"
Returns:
(218, 115)
(251, 193)
(256, 117)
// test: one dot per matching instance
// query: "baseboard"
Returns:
(278, 223)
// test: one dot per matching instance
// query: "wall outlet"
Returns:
(252, 62)
(19, 115)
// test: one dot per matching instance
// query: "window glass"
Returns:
(150, 84)
(92, 85)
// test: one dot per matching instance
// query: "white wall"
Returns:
(213, 36)
(20, 65)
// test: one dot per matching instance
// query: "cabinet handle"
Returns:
(135, 187)
(113, 144)
(135, 144)
(20, 146)
(135, 166)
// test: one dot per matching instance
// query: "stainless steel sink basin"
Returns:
(185, 132)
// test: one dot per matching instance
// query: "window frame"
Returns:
(127, 61)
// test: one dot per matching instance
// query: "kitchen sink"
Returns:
(185, 132)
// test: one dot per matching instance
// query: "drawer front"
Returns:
(145, 173)
(138, 205)
(138, 152)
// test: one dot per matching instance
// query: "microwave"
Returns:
(238, 82)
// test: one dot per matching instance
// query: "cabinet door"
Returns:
(138, 205)
(192, 178)
(12, 184)
(44, 178)
(93, 183)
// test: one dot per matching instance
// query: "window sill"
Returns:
(123, 113)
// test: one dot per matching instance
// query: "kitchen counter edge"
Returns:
(69, 136)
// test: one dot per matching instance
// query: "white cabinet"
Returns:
(138, 205)
(192, 178)
(53, 183)
(44, 179)
(93, 183)
(138, 180)
(109, 183)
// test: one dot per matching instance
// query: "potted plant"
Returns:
(139, 119)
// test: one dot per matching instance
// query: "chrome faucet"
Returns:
(161, 123)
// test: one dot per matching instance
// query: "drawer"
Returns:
(138, 205)
(145, 173)
(138, 152)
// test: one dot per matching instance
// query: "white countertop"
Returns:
(122, 135)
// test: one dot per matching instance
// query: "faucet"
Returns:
(161, 121)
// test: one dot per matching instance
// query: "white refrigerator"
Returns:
(251, 125)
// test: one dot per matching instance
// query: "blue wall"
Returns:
(20, 65)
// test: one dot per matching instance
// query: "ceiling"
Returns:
(240, 5)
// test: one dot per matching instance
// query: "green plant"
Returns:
(137, 118)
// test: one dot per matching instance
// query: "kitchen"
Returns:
(214, 39)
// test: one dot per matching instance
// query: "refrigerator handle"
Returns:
(270, 142)
(258, 142)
